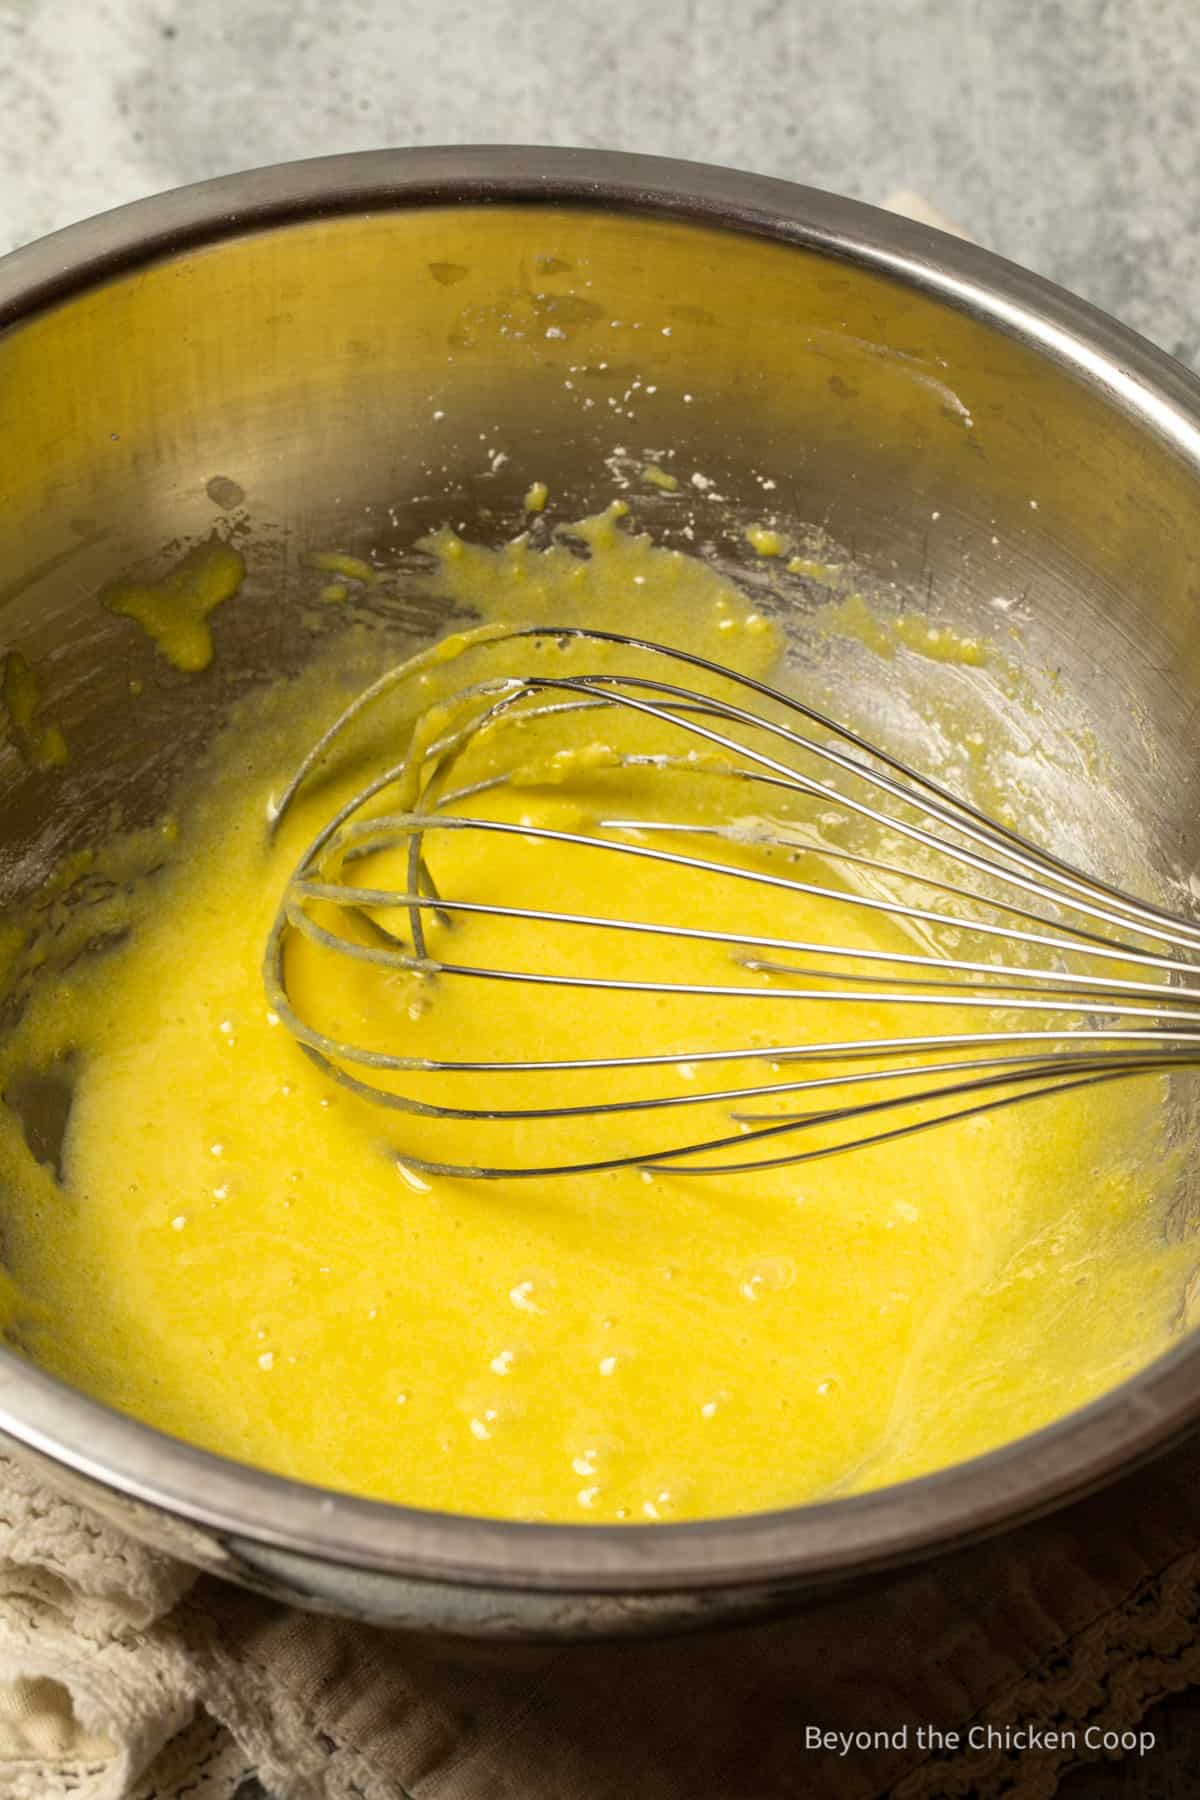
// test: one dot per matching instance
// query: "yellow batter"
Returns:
(235, 1250)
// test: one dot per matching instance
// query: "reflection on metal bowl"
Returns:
(357, 349)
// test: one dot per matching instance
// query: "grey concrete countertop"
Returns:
(1062, 133)
(1059, 132)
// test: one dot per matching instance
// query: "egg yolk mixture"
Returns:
(234, 1247)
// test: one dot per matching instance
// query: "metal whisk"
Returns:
(1071, 982)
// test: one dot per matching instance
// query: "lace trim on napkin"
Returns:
(1108, 1676)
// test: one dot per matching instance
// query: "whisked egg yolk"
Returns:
(237, 1249)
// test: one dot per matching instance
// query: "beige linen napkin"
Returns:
(123, 1675)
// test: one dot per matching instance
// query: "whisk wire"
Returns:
(1029, 904)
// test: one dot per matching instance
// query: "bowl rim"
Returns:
(248, 1507)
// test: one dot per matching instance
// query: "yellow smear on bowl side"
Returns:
(40, 739)
(175, 611)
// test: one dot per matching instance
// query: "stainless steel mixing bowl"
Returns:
(348, 351)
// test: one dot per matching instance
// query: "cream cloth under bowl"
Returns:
(123, 1674)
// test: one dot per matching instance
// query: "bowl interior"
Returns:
(353, 381)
